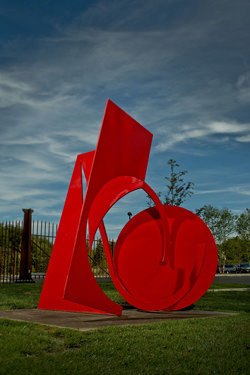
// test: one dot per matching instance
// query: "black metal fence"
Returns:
(43, 235)
(10, 250)
(26, 246)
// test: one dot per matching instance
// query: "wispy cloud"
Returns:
(242, 190)
(186, 133)
(243, 86)
(244, 138)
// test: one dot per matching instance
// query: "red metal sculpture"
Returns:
(165, 257)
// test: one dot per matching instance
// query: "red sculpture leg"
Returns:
(122, 141)
(53, 293)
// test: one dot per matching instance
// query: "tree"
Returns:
(177, 190)
(98, 253)
(237, 250)
(243, 225)
(10, 247)
(41, 248)
(221, 222)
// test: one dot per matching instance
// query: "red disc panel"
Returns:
(191, 260)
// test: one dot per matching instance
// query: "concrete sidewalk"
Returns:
(87, 321)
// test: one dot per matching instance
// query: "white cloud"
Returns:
(227, 127)
(244, 138)
(241, 190)
(187, 133)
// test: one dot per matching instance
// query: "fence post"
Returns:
(26, 257)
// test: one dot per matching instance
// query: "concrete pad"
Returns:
(87, 321)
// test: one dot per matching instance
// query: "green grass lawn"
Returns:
(228, 286)
(19, 296)
(26, 296)
(191, 346)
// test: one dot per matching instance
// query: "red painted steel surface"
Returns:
(165, 257)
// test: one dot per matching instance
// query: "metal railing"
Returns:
(26, 246)
(10, 250)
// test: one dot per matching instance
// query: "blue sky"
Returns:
(180, 68)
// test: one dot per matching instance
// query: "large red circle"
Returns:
(191, 259)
